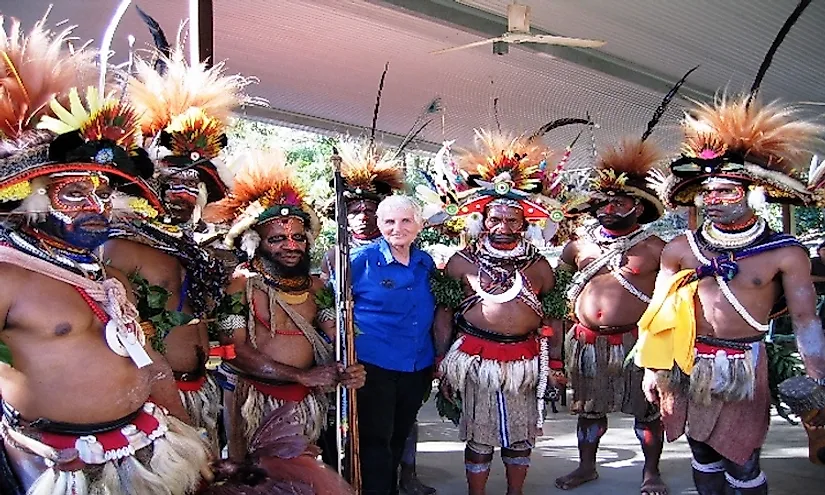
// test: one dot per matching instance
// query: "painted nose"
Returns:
(610, 209)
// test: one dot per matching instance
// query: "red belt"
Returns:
(191, 385)
(293, 392)
(110, 440)
(707, 351)
(590, 335)
(499, 351)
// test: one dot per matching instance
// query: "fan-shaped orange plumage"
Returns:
(362, 165)
(259, 176)
(34, 68)
(159, 98)
(771, 135)
(631, 156)
(497, 153)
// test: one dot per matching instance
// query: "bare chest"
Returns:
(638, 260)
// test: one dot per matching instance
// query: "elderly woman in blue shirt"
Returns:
(394, 311)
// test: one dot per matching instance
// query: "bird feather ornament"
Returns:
(36, 67)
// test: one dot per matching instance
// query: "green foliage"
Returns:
(450, 410)
(232, 304)
(431, 236)
(152, 300)
(325, 298)
(555, 303)
(5, 354)
(447, 290)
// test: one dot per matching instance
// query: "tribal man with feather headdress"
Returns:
(701, 337)
(614, 265)
(269, 312)
(491, 328)
(184, 109)
(76, 374)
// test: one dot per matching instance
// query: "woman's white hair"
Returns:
(400, 202)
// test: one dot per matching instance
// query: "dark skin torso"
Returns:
(50, 330)
(510, 318)
(604, 302)
(291, 350)
(184, 342)
(294, 351)
(757, 287)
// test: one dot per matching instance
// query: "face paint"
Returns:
(505, 226)
(725, 203)
(618, 213)
(72, 195)
(86, 231)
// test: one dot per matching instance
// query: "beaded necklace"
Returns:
(41, 245)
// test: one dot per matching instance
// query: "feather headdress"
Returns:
(762, 145)
(369, 172)
(34, 68)
(503, 168)
(184, 110)
(624, 168)
(40, 136)
(264, 189)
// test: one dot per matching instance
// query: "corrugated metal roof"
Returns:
(323, 58)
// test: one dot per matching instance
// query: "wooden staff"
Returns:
(346, 405)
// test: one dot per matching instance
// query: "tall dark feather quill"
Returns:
(558, 123)
(780, 37)
(657, 115)
(159, 37)
(377, 106)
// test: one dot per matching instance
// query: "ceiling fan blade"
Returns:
(468, 45)
(561, 41)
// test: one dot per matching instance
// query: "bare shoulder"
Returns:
(654, 244)
(237, 283)
(570, 252)
(674, 252)
(458, 266)
(792, 258)
(317, 283)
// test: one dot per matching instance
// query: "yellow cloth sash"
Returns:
(667, 329)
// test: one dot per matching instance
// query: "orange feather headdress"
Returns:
(264, 189)
(185, 109)
(761, 145)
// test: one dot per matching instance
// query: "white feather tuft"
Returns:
(250, 241)
(757, 199)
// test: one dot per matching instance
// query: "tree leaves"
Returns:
(5, 354)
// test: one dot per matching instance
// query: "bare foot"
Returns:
(578, 477)
(652, 484)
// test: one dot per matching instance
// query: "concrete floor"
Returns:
(440, 459)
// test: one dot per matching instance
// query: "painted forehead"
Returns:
(500, 210)
(64, 179)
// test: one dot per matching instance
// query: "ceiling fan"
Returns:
(518, 31)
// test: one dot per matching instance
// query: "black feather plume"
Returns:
(803, 4)
(159, 37)
(377, 106)
(421, 122)
(558, 123)
(657, 115)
